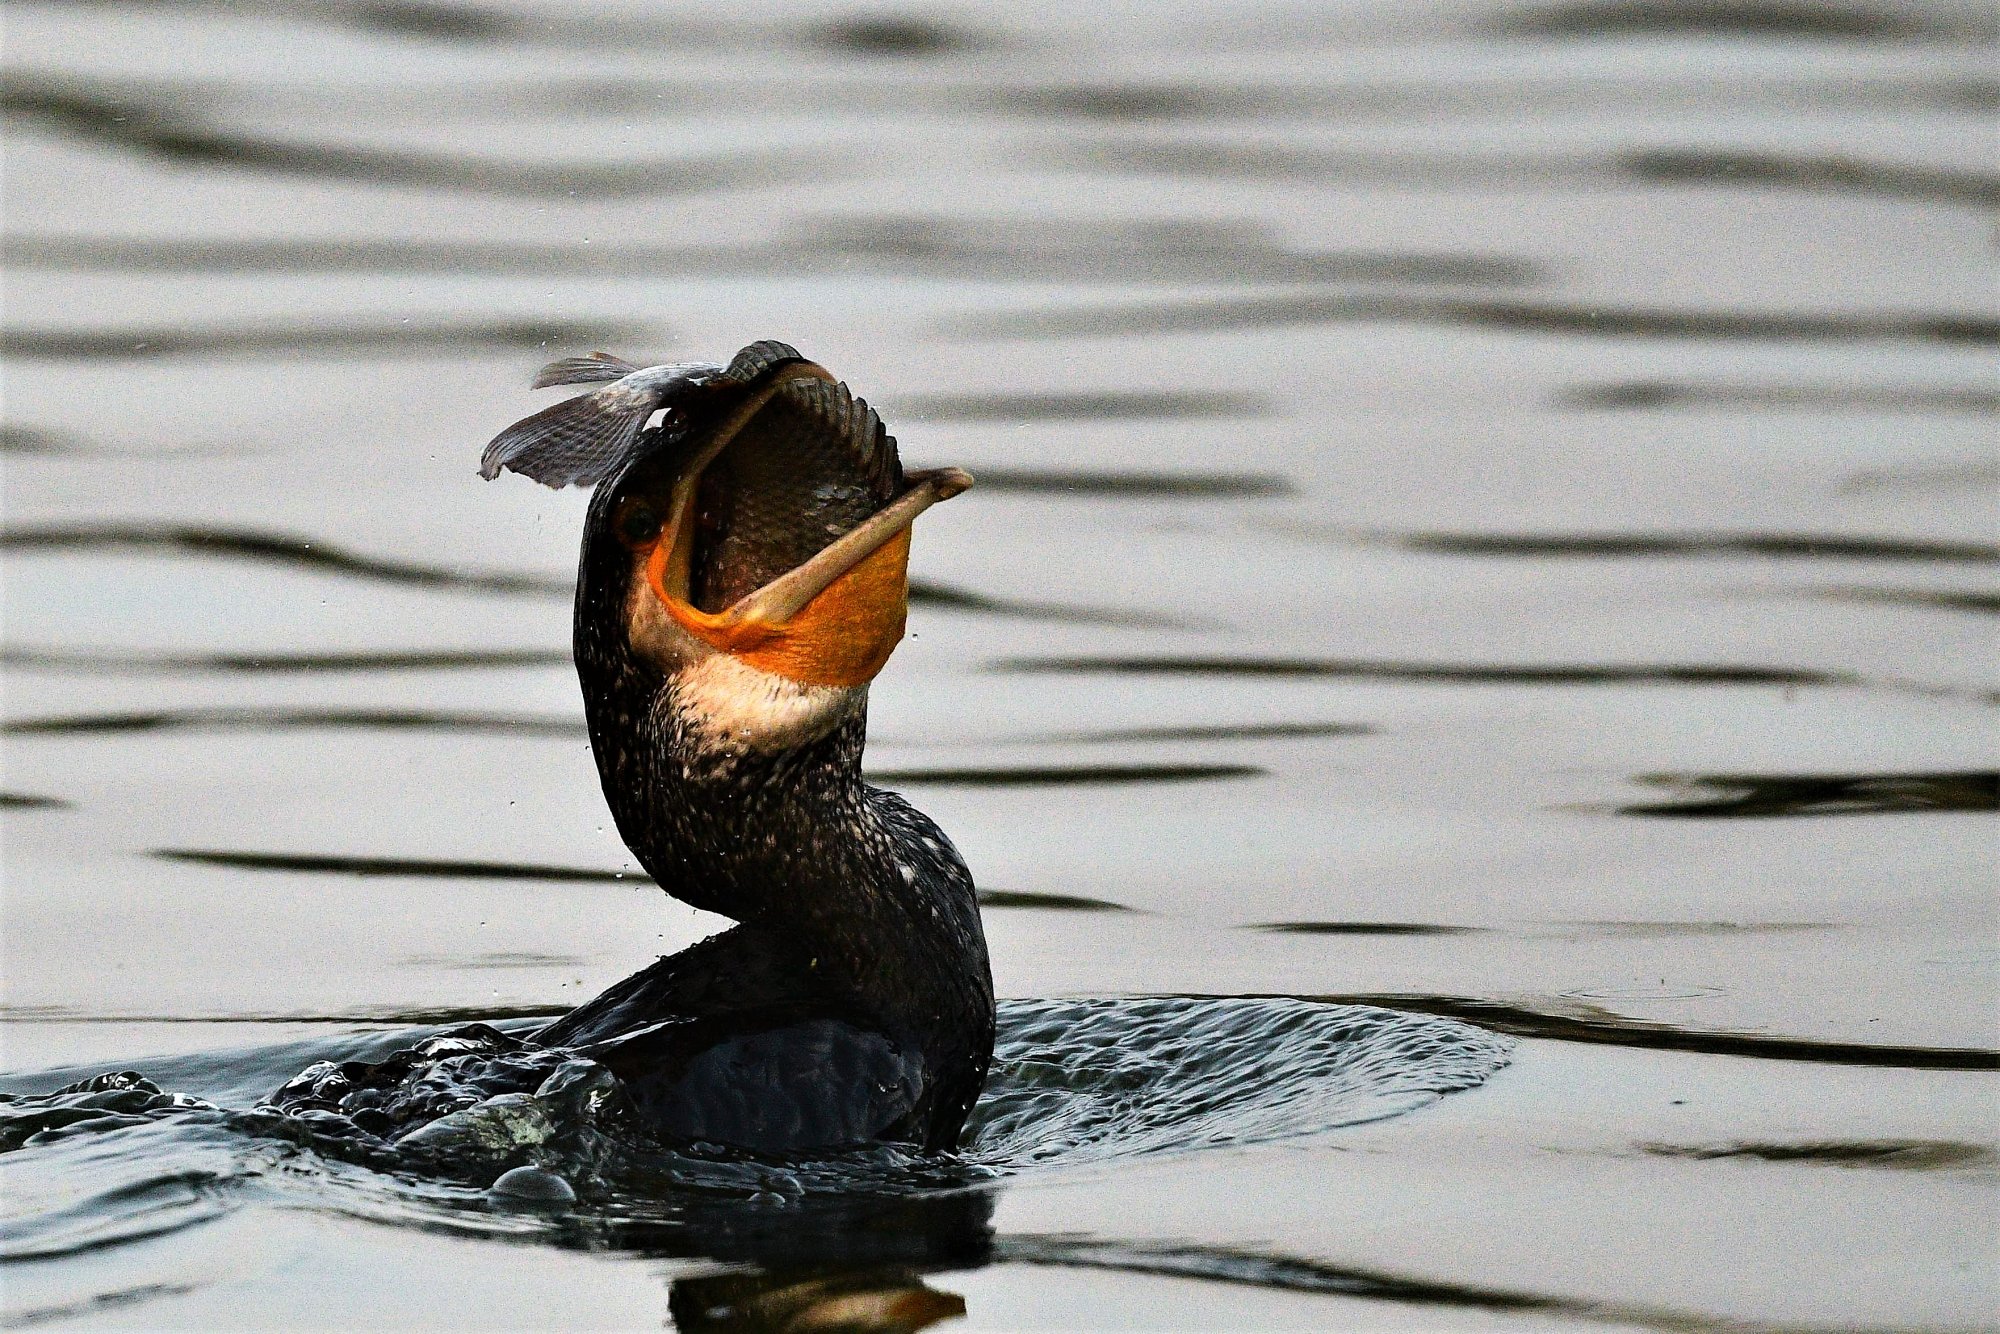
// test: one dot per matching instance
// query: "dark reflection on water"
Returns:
(1946, 599)
(434, 868)
(325, 337)
(1133, 485)
(1583, 1023)
(1622, 545)
(1020, 898)
(1079, 405)
(1207, 315)
(1053, 775)
(774, 1302)
(264, 720)
(1646, 930)
(888, 33)
(275, 548)
(1214, 732)
(358, 661)
(1907, 1155)
(901, 36)
(884, 1300)
(325, 557)
(128, 119)
(24, 801)
(1018, 249)
(1553, 930)
(835, 1242)
(1461, 674)
(927, 593)
(1734, 18)
(34, 440)
(101, 1303)
(1041, 250)
(501, 959)
(1766, 795)
(1396, 100)
(1740, 167)
(1814, 397)
(253, 719)
(1939, 477)
(1364, 929)
(40, 442)
(500, 1015)
(1275, 1270)
(398, 866)
(422, 18)
(1734, 168)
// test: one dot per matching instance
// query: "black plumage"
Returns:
(854, 1003)
(858, 984)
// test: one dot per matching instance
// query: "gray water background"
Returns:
(1484, 509)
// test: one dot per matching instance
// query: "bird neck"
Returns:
(780, 832)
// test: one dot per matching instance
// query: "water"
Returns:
(1485, 512)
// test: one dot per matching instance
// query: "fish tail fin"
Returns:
(577, 442)
(593, 369)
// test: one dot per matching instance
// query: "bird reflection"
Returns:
(884, 1300)
(843, 1261)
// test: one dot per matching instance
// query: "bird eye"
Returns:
(637, 523)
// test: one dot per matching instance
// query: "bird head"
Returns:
(751, 546)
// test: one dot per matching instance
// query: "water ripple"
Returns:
(445, 869)
(1816, 397)
(1075, 1082)
(1723, 168)
(1903, 1155)
(1598, 320)
(23, 801)
(1134, 485)
(321, 337)
(271, 548)
(1084, 405)
(1576, 1022)
(1017, 249)
(1763, 796)
(1619, 546)
(398, 866)
(1741, 18)
(1700, 674)
(124, 119)
(359, 660)
(324, 557)
(226, 718)
(1066, 775)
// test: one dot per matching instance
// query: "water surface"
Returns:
(1487, 514)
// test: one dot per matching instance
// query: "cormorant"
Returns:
(743, 577)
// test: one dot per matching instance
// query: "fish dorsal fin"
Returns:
(596, 368)
(754, 361)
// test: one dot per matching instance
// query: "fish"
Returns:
(765, 504)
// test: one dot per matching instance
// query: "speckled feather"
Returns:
(857, 910)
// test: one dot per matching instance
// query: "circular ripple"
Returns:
(1074, 1081)
(1085, 1080)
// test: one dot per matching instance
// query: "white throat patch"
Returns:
(739, 707)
